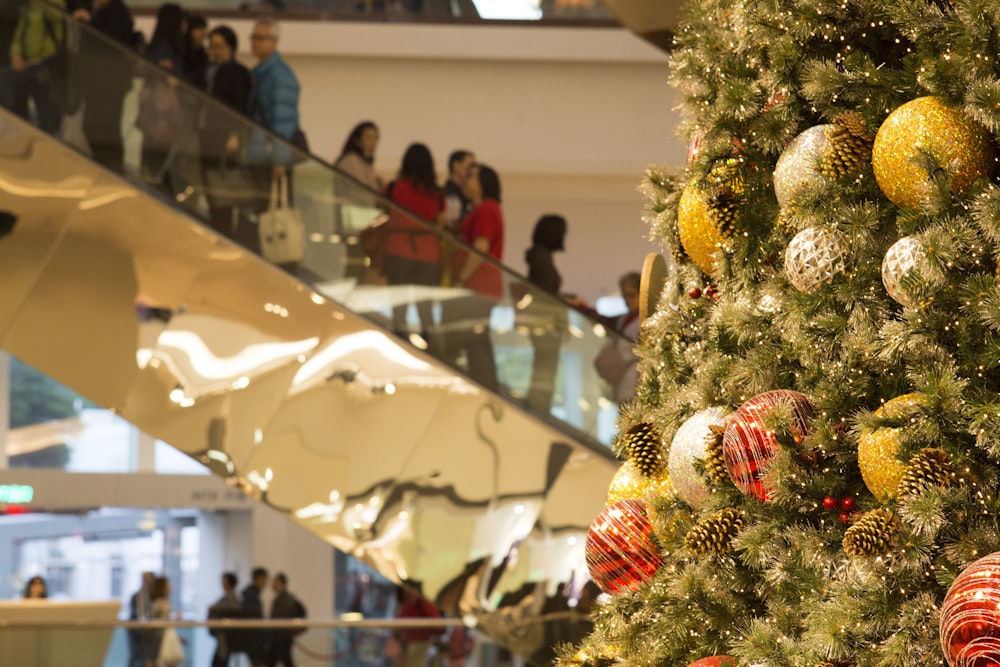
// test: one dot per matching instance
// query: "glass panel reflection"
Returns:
(408, 275)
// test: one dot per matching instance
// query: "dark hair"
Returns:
(169, 28)
(282, 578)
(550, 232)
(159, 588)
(354, 138)
(489, 182)
(228, 35)
(230, 578)
(258, 572)
(195, 21)
(418, 168)
(632, 277)
(456, 157)
(45, 586)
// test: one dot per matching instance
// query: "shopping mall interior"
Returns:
(175, 402)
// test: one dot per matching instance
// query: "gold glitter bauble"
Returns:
(628, 482)
(881, 470)
(957, 143)
(702, 240)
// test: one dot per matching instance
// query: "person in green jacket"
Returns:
(37, 40)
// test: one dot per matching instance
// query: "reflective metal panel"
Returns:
(370, 443)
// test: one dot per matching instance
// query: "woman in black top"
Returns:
(545, 315)
(222, 129)
(105, 76)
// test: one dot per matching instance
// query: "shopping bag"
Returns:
(227, 186)
(282, 233)
(171, 648)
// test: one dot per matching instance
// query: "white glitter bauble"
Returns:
(814, 257)
(690, 443)
(905, 256)
(798, 166)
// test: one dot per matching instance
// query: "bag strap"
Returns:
(275, 202)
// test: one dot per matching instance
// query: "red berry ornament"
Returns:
(847, 505)
(620, 550)
(844, 518)
(829, 503)
(748, 446)
(711, 292)
(695, 293)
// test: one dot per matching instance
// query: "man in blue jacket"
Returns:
(274, 99)
(274, 103)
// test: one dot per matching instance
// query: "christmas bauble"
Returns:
(877, 449)
(620, 550)
(798, 167)
(748, 445)
(970, 616)
(813, 257)
(906, 272)
(689, 444)
(958, 144)
(628, 482)
(698, 230)
(715, 661)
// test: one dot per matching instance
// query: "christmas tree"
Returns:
(812, 455)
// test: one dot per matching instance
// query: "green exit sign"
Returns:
(16, 494)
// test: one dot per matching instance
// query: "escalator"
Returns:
(291, 382)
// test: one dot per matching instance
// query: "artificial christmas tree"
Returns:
(882, 321)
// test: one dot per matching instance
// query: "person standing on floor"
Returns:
(227, 606)
(483, 229)
(139, 610)
(254, 606)
(284, 606)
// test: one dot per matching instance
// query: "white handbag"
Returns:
(282, 232)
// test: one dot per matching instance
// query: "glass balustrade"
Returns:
(136, 119)
(44, 635)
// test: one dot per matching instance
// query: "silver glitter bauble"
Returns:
(814, 257)
(798, 167)
(690, 443)
(906, 261)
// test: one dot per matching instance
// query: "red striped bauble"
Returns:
(970, 616)
(621, 553)
(749, 446)
(715, 661)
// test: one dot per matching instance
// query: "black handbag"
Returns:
(227, 186)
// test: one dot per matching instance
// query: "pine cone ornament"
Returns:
(644, 447)
(872, 535)
(726, 195)
(714, 535)
(715, 464)
(929, 467)
(850, 146)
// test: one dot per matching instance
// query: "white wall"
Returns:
(569, 117)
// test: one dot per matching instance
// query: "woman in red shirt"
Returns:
(483, 230)
(412, 253)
